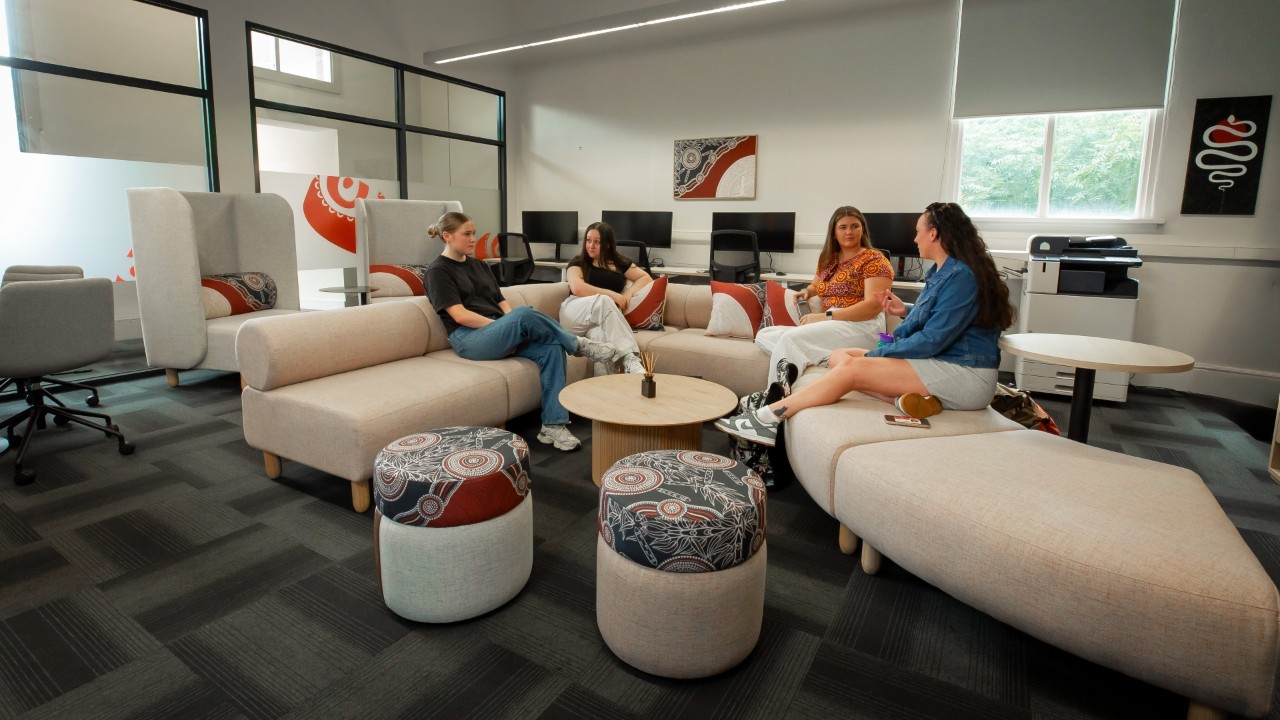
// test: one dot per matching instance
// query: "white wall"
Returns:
(856, 110)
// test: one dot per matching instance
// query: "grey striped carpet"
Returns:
(181, 583)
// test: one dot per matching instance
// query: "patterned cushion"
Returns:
(398, 280)
(743, 310)
(451, 476)
(644, 312)
(682, 511)
(236, 294)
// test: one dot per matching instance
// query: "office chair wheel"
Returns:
(60, 421)
(126, 448)
(23, 477)
(93, 401)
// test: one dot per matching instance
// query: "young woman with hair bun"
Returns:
(482, 325)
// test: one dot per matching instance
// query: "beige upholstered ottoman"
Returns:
(1126, 562)
(680, 562)
(453, 530)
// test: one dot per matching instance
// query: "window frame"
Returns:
(1144, 207)
(203, 91)
(332, 85)
(399, 125)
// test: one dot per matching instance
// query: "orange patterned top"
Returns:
(843, 283)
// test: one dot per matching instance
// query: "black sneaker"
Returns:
(788, 373)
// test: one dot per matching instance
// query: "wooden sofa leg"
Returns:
(171, 376)
(271, 462)
(870, 559)
(848, 541)
(1196, 711)
(360, 496)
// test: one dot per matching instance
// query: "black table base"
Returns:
(1081, 405)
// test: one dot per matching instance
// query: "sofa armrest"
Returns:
(282, 350)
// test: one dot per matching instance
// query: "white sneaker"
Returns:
(631, 364)
(559, 436)
(601, 352)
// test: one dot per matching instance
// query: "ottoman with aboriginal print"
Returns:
(680, 562)
(453, 527)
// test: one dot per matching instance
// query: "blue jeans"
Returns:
(529, 334)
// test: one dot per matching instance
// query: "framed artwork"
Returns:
(719, 168)
(1228, 137)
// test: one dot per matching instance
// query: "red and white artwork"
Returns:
(330, 208)
(324, 214)
(716, 168)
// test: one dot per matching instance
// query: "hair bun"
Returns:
(433, 230)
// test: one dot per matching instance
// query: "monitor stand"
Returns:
(551, 259)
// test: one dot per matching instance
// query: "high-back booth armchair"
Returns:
(34, 273)
(394, 236)
(51, 327)
(181, 241)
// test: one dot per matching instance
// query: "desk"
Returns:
(561, 265)
(361, 290)
(677, 270)
(624, 422)
(1088, 355)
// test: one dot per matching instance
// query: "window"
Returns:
(289, 57)
(1077, 165)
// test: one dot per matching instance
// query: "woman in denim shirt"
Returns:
(944, 353)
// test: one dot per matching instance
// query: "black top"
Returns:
(468, 283)
(614, 280)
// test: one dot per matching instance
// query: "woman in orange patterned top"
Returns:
(850, 273)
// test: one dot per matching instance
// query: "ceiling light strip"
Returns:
(592, 33)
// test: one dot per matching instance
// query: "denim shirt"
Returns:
(940, 325)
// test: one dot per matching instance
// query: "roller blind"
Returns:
(1020, 57)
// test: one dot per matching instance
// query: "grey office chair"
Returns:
(635, 251)
(735, 256)
(31, 273)
(51, 327)
(516, 266)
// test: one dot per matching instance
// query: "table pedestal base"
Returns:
(610, 442)
(1081, 405)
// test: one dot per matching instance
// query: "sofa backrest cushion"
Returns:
(543, 297)
(688, 306)
(282, 350)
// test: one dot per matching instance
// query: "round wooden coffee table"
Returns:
(624, 422)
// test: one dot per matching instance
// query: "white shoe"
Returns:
(601, 352)
(632, 365)
(559, 436)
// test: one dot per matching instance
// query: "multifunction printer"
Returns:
(1078, 286)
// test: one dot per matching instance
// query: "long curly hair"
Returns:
(960, 240)
(609, 254)
(831, 248)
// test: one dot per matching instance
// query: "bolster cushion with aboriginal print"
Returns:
(236, 293)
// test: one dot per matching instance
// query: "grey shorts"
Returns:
(957, 386)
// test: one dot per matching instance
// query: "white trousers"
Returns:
(596, 317)
(806, 345)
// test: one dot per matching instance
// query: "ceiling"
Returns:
(514, 23)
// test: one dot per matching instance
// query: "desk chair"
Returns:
(516, 266)
(51, 327)
(735, 256)
(635, 251)
(32, 273)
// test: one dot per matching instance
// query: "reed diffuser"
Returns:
(648, 387)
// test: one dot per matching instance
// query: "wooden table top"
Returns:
(1096, 353)
(679, 400)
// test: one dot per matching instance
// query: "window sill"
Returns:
(1069, 226)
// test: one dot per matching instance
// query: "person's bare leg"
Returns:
(878, 376)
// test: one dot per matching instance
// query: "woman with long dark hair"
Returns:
(601, 283)
(482, 325)
(850, 272)
(944, 354)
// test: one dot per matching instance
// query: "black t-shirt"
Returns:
(468, 283)
(614, 280)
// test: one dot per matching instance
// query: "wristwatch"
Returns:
(829, 313)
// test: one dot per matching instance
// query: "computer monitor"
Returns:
(651, 227)
(559, 227)
(775, 231)
(894, 233)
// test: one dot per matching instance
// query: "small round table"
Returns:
(1088, 355)
(624, 422)
(361, 290)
